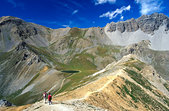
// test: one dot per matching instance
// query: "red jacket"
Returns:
(49, 97)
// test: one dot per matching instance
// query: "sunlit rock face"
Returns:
(148, 27)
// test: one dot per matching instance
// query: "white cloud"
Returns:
(97, 2)
(113, 14)
(122, 17)
(65, 25)
(149, 6)
(74, 12)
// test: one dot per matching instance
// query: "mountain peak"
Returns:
(6, 18)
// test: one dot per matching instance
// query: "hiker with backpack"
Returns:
(50, 99)
(45, 96)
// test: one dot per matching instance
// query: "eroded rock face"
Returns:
(131, 25)
(25, 32)
(147, 23)
(14, 30)
(121, 27)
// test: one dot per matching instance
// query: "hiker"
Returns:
(45, 96)
(50, 99)
(153, 73)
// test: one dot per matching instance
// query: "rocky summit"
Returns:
(146, 23)
(122, 66)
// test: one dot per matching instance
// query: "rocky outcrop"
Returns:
(5, 103)
(147, 23)
(158, 59)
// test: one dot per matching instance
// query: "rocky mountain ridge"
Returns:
(42, 37)
(147, 24)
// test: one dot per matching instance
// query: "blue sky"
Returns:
(80, 13)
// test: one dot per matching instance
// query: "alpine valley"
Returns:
(123, 66)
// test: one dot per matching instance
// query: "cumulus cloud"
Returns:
(113, 14)
(74, 12)
(149, 6)
(97, 2)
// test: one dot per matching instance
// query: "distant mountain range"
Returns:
(34, 59)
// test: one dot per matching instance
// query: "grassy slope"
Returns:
(4, 55)
(166, 86)
(79, 63)
(85, 63)
(139, 95)
(144, 82)
(22, 99)
(13, 57)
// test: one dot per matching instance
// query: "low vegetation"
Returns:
(146, 84)
(5, 55)
(139, 79)
(139, 95)
(135, 63)
(166, 86)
